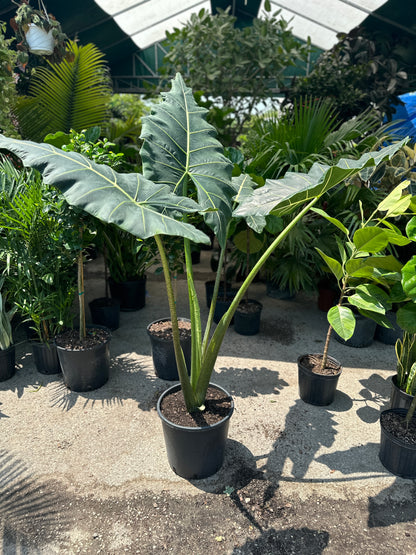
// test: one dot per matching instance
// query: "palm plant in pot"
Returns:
(7, 348)
(39, 263)
(185, 171)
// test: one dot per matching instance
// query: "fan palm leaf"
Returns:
(72, 94)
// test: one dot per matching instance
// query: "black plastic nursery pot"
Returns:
(389, 336)
(105, 312)
(87, 368)
(363, 335)
(209, 290)
(276, 292)
(130, 294)
(7, 363)
(317, 389)
(46, 358)
(399, 399)
(247, 317)
(163, 352)
(195, 453)
(397, 455)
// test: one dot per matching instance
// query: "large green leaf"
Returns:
(127, 200)
(406, 317)
(332, 264)
(72, 94)
(243, 186)
(179, 146)
(409, 278)
(371, 298)
(361, 267)
(342, 320)
(282, 196)
(370, 239)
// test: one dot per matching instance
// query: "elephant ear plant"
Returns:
(185, 171)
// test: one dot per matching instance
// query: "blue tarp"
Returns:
(406, 113)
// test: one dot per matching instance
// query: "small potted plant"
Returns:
(7, 348)
(185, 171)
(364, 273)
(37, 30)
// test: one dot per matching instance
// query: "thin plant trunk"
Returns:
(329, 333)
(81, 295)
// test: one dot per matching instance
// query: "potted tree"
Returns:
(39, 264)
(7, 348)
(364, 273)
(185, 171)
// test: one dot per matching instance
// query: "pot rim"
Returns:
(167, 319)
(97, 346)
(192, 429)
(394, 381)
(324, 376)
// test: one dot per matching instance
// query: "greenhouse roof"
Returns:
(129, 31)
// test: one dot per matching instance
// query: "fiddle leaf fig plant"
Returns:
(364, 272)
(185, 171)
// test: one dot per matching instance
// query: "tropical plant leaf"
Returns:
(370, 239)
(409, 278)
(282, 196)
(131, 201)
(243, 186)
(332, 264)
(68, 95)
(333, 221)
(342, 320)
(371, 298)
(394, 203)
(180, 146)
(406, 317)
(411, 228)
(360, 267)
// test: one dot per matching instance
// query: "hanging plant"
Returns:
(38, 32)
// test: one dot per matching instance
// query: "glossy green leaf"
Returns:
(333, 221)
(370, 239)
(282, 196)
(342, 320)
(359, 267)
(332, 264)
(406, 317)
(132, 202)
(243, 186)
(411, 228)
(180, 147)
(370, 297)
(409, 278)
(395, 204)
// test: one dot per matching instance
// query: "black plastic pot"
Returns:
(247, 322)
(105, 312)
(276, 293)
(130, 294)
(88, 369)
(46, 358)
(363, 335)
(195, 453)
(397, 456)
(389, 336)
(163, 353)
(209, 289)
(399, 399)
(221, 308)
(7, 363)
(317, 389)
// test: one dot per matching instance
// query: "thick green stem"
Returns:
(81, 297)
(187, 390)
(210, 356)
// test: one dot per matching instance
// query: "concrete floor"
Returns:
(66, 458)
